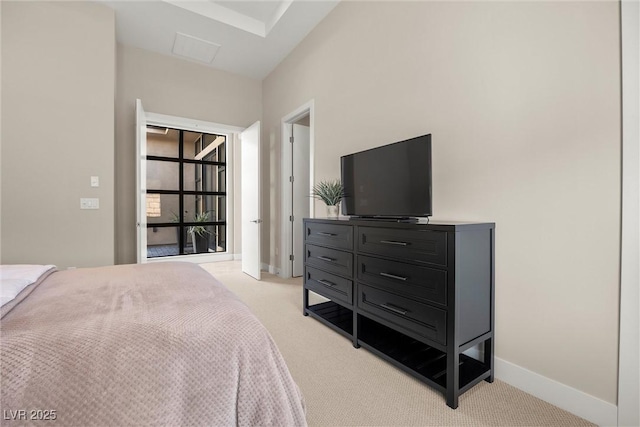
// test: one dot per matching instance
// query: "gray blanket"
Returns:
(162, 344)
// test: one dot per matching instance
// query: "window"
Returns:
(186, 192)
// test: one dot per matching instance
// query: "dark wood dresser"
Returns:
(416, 295)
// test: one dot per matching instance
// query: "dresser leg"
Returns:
(452, 401)
(305, 300)
(355, 330)
(453, 378)
(488, 359)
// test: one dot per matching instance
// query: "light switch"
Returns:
(95, 181)
(89, 203)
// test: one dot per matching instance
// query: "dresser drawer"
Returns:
(329, 285)
(410, 280)
(410, 315)
(412, 245)
(333, 235)
(331, 260)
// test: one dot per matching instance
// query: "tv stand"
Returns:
(416, 295)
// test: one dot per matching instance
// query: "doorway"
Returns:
(297, 177)
(185, 191)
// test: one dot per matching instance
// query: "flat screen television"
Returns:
(392, 181)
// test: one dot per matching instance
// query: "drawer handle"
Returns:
(395, 309)
(326, 282)
(393, 242)
(326, 258)
(323, 233)
(393, 276)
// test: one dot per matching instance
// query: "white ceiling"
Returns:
(244, 37)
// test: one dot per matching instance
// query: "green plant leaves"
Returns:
(330, 192)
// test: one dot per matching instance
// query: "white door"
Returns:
(250, 188)
(141, 181)
(300, 193)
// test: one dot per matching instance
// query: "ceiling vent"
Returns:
(195, 48)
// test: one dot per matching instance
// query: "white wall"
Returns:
(58, 76)
(171, 86)
(523, 101)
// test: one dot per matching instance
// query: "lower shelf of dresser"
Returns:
(417, 358)
(333, 315)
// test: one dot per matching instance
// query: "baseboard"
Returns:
(570, 399)
(269, 268)
(263, 266)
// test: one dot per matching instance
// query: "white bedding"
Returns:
(14, 278)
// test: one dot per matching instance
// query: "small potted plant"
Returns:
(331, 193)
(200, 234)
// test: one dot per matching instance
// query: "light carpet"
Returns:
(344, 386)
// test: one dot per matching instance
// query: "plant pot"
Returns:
(201, 243)
(332, 211)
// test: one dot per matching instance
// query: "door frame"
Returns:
(141, 184)
(194, 125)
(286, 269)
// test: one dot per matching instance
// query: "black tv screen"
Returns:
(389, 181)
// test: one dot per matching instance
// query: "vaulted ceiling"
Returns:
(243, 37)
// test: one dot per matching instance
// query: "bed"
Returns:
(162, 344)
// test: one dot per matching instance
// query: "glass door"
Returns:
(185, 192)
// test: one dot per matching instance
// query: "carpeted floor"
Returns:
(344, 386)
